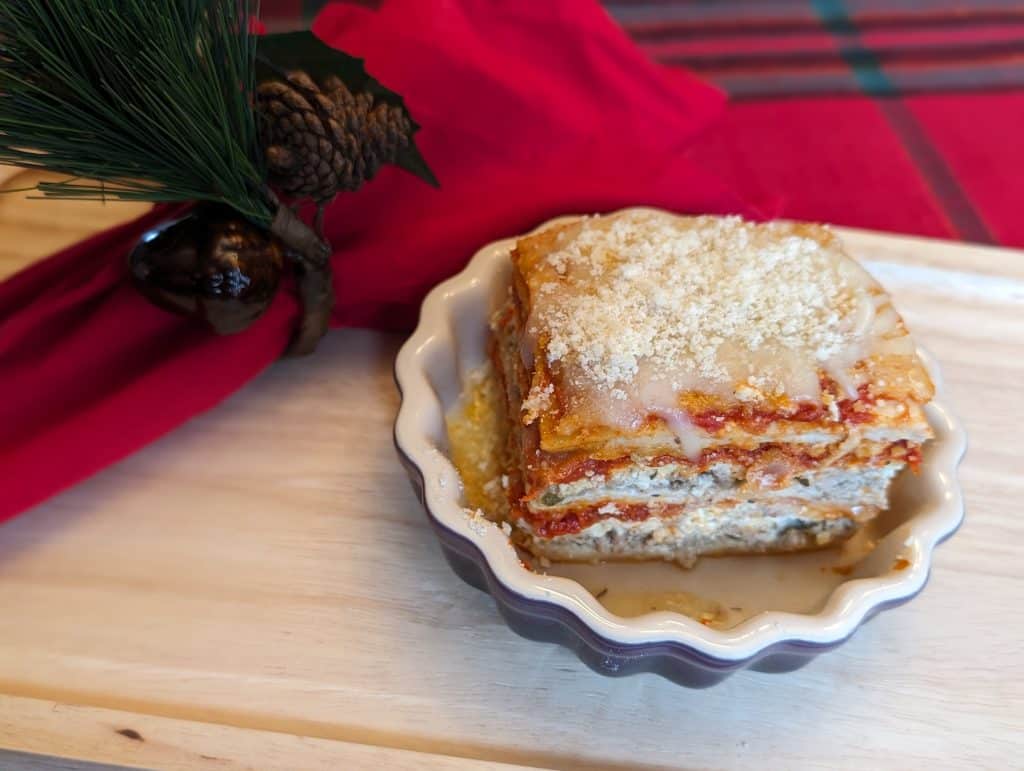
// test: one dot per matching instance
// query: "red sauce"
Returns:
(570, 469)
(577, 468)
(858, 410)
(754, 419)
(808, 413)
(579, 519)
(712, 422)
(913, 458)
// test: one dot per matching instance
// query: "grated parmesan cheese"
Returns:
(477, 521)
(698, 303)
(536, 402)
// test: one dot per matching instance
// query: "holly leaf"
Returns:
(279, 53)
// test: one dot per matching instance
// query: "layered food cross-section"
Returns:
(687, 386)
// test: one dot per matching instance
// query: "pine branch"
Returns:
(149, 99)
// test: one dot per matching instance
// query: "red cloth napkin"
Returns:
(529, 110)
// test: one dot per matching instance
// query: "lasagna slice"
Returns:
(687, 386)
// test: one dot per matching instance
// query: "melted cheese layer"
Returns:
(647, 315)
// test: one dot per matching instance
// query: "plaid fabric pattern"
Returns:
(778, 49)
(900, 115)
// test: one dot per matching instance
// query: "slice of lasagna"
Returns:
(687, 386)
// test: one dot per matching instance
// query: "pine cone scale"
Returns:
(320, 139)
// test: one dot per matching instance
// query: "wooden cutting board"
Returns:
(260, 589)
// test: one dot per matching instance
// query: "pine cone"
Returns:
(322, 139)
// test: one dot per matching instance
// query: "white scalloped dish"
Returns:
(694, 626)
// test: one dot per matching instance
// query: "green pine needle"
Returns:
(151, 100)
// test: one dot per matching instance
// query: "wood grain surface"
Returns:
(261, 587)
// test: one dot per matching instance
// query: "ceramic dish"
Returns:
(772, 613)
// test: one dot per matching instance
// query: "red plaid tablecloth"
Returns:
(902, 115)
